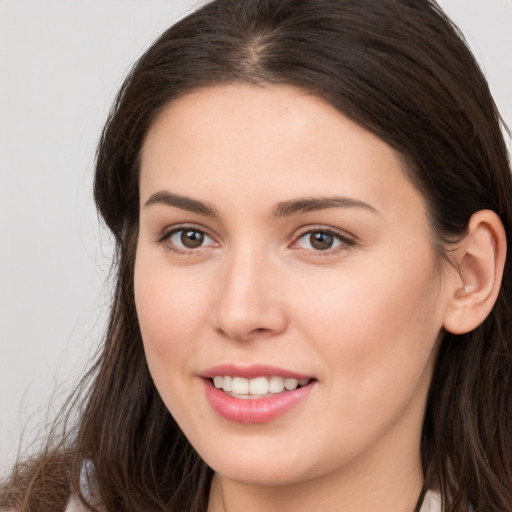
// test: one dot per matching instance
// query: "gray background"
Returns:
(61, 63)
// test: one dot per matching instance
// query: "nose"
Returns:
(249, 299)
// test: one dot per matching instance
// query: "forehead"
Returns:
(251, 142)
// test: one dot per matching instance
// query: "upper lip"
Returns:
(252, 371)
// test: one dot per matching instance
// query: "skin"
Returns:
(363, 318)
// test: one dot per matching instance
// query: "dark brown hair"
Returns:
(400, 69)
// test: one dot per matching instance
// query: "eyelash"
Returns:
(165, 239)
(345, 242)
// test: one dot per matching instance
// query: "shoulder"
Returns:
(432, 502)
(75, 505)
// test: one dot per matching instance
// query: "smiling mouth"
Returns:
(259, 387)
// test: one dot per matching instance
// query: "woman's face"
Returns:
(281, 246)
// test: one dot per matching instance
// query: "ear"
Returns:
(479, 260)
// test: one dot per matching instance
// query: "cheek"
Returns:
(171, 311)
(377, 333)
(371, 321)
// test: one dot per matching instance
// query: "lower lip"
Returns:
(258, 410)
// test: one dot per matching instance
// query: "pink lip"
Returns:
(251, 372)
(253, 411)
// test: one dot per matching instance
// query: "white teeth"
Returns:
(257, 387)
(227, 383)
(276, 384)
(240, 386)
(291, 384)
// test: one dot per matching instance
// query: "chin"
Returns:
(262, 475)
(263, 465)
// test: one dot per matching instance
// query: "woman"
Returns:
(311, 202)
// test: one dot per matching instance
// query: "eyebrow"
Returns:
(282, 209)
(184, 203)
(310, 204)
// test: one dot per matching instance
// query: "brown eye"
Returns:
(321, 241)
(189, 239)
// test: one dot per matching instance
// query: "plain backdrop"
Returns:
(61, 64)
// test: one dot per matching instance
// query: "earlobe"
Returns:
(480, 260)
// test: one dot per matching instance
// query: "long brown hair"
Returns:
(400, 69)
